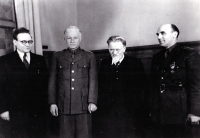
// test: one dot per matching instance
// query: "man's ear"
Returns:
(175, 34)
(15, 42)
(124, 49)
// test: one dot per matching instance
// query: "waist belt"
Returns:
(164, 87)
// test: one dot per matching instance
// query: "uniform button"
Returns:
(72, 71)
(72, 79)
(116, 71)
(163, 71)
(72, 63)
(162, 78)
(117, 78)
(72, 88)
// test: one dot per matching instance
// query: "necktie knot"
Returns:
(24, 55)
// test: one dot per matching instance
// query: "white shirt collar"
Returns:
(21, 55)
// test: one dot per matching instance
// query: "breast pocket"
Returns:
(178, 71)
(83, 69)
(64, 71)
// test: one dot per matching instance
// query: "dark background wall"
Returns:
(145, 53)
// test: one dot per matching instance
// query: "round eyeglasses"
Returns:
(25, 42)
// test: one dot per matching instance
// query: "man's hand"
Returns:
(92, 107)
(54, 109)
(193, 119)
(5, 116)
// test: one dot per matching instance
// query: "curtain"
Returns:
(27, 14)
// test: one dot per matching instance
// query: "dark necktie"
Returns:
(25, 61)
(166, 53)
(73, 54)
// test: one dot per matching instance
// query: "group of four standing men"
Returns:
(72, 88)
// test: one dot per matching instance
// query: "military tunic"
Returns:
(73, 82)
(72, 86)
(176, 85)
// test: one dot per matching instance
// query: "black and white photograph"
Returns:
(99, 68)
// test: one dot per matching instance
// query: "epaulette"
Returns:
(88, 51)
(187, 48)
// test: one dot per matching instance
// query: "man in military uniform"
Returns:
(176, 84)
(73, 87)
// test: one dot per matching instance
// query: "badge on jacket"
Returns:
(172, 66)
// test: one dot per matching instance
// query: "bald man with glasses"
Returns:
(23, 87)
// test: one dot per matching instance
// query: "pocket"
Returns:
(63, 71)
(83, 69)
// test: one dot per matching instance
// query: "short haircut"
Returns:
(19, 31)
(72, 27)
(175, 28)
(116, 39)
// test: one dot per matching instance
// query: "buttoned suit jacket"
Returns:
(73, 83)
(129, 81)
(180, 73)
(23, 90)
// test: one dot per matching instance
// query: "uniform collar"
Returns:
(171, 48)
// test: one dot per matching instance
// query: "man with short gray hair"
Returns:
(73, 87)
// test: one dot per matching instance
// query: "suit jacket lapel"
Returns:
(16, 59)
(32, 60)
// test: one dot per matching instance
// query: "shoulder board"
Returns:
(88, 51)
(187, 48)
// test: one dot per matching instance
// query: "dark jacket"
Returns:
(73, 83)
(176, 85)
(121, 85)
(21, 89)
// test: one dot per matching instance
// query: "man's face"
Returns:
(166, 36)
(73, 38)
(116, 49)
(23, 42)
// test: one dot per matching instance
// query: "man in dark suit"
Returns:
(176, 84)
(73, 87)
(121, 84)
(23, 88)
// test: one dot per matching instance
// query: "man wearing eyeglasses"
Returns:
(23, 87)
(121, 84)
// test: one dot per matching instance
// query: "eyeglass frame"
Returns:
(30, 42)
